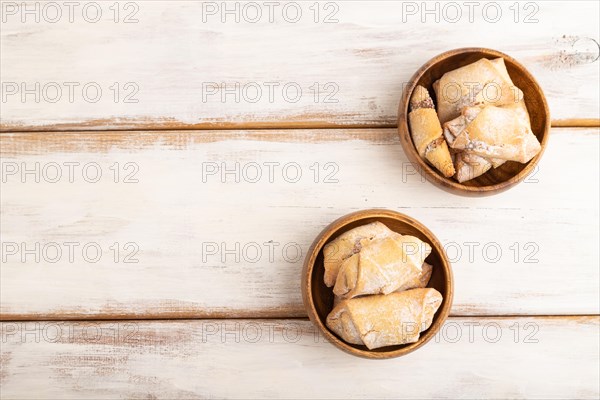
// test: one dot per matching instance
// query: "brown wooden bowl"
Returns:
(318, 298)
(496, 180)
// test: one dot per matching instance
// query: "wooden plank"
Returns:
(483, 358)
(209, 243)
(178, 65)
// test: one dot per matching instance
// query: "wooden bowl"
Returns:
(495, 180)
(318, 298)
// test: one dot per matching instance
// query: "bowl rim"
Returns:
(449, 184)
(326, 235)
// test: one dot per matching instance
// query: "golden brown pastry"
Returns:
(426, 132)
(419, 280)
(483, 82)
(467, 164)
(470, 166)
(385, 320)
(348, 243)
(382, 266)
(497, 132)
(520, 106)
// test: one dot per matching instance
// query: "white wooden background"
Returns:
(190, 318)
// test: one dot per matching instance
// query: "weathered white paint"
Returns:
(176, 220)
(171, 212)
(372, 49)
(470, 358)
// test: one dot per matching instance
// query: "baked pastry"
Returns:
(469, 166)
(426, 132)
(479, 86)
(382, 266)
(347, 244)
(480, 83)
(520, 106)
(497, 132)
(385, 320)
(419, 280)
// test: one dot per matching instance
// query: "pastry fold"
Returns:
(416, 281)
(469, 166)
(419, 280)
(426, 132)
(520, 105)
(497, 132)
(385, 320)
(383, 266)
(474, 156)
(483, 82)
(347, 244)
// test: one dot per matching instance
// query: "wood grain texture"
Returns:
(471, 358)
(510, 253)
(176, 51)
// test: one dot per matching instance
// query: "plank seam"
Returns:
(183, 319)
(592, 123)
